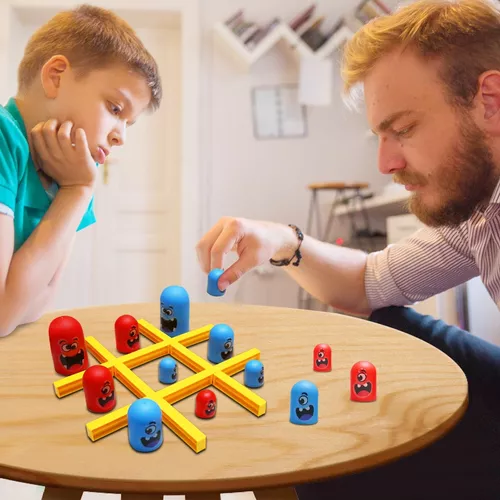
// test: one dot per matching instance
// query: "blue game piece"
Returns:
(220, 343)
(254, 374)
(167, 370)
(174, 311)
(145, 432)
(213, 279)
(304, 403)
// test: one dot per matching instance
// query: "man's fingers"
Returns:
(204, 247)
(245, 263)
(227, 240)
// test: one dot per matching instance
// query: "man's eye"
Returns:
(404, 132)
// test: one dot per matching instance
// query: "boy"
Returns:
(84, 77)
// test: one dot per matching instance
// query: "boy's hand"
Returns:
(68, 165)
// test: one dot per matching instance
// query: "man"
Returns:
(431, 79)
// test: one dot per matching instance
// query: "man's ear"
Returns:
(489, 96)
(52, 74)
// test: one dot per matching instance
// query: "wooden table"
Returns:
(422, 394)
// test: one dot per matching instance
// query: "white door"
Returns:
(136, 248)
(133, 251)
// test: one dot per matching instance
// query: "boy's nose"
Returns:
(117, 139)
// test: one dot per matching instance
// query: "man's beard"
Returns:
(464, 182)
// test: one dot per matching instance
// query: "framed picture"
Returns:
(369, 9)
(277, 113)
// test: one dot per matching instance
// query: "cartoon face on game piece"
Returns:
(220, 343)
(67, 345)
(254, 374)
(167, 369)
(174, 311)
(322, 358)
(127, 334)
(206, 404)
(99, 389)
(145, 432)
(363, 382)
(213, 279)
(304, 403)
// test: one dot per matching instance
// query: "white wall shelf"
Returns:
(281, 31)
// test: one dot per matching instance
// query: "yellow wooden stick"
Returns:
(206, 374)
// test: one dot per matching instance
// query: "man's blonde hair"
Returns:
(90, 38)
(462, 35)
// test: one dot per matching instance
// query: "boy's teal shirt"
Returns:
(20, 187)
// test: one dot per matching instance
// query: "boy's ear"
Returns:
(52, 73)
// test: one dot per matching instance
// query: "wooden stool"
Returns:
(342, 197)
(344, 193)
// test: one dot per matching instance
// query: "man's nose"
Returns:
(390, 157)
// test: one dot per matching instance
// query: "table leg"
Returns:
(142, 496)
(276, 494)
(203, 496)
(61, 494)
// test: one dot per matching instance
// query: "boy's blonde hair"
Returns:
(462, 35)
(91, 38)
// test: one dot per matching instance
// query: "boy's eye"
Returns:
(115, 109)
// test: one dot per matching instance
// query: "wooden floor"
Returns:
(10, 490)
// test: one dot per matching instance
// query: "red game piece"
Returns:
(206, 404)
(99, 389)
(363, 382)
(67, 345)
(322, 358)
(127, 334)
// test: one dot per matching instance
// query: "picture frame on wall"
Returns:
(277, 112)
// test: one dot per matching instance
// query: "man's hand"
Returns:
(255, 242)
(69, 165)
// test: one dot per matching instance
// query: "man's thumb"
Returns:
(235, 272)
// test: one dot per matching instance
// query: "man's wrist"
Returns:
(290, 250)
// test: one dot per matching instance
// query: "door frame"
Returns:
(192, 192)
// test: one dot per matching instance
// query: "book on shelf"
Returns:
(313, 36)
(261, 33)
(305, 25)
(335, 27)
(316, 38)
(302, 17)
(235, 18)
(249, 33)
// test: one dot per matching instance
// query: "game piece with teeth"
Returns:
(322, 358)
(127, 337)
(363, 382)
(304, 399)
(67, 345)
(174, 311)
(145, 431)
(220, 343)
(99, 389)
